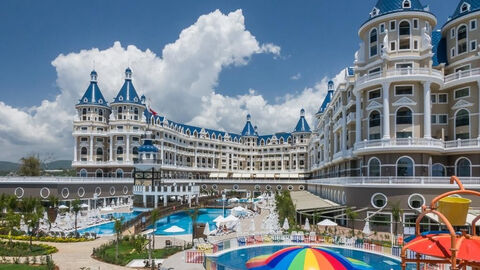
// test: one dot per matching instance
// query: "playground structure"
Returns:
(458, 249)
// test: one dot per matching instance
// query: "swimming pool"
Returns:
(183, 221)
(107, 228)
(236, 259)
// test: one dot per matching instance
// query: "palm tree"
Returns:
(351, 216)
(193, 214)
(75, 207)
(52, 210)
(396, 215)
(154, 215)
(32, 211)
(118, 231)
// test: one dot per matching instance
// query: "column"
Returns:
(91, 148)
(175, 155)
(75, 149)
(358, 119)
(164, 200)
(251, 162)
(386, 111)
(427, 111)
(161, 152)
(111, 149)
(195, 158)
(334, 142)
(344, 130)
(127, 148)
(282, 162)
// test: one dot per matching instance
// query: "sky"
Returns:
(207, 63)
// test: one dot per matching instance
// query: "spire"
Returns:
(248, 129)
(127, 93)
(93, 95)
(330, 85)
(302, 125)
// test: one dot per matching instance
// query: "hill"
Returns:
(7, 166)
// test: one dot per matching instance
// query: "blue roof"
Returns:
(248, 129)
(472, 5)
(439, 49)
(350, 71)
(127, 93)
(148, 146)
(302, 125)
(391, 6)
(93, 95)
(279, 135)
(326, 101)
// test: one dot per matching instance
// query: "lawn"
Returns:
(22, 267)
(128, 250)
(23, 249)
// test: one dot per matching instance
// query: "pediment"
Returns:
(461, 104)
(374, 105)
(404, 101)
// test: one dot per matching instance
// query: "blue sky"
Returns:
(317, 39)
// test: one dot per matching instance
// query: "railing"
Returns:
(351, 117)
(399, 72)
(462, 74)
(44, 179)
(423, 142)
(370, 180)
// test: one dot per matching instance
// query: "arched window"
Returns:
(463, 167)
(119, 150)
(404, 31)
(406, 4)
(135, 111)
(83, 151)
(84, 111)
(374, 125)
(404, 28)
(120, 110)
(462, 124)
(99, 173)
(404, 117)
(438, 170)
(83, 173)
(119, 173)
(405, 166)
(99, 151)
(374, 167)
(373, 42)
(135, 150)
(462, 39)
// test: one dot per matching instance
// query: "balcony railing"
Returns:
(351, 117)
(399, 72)
(462, 74)
(368, 180)
(421, 142)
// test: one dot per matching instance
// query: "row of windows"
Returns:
(407, 90)
(405, 166)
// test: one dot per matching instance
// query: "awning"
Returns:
(304, 200)
(223, 175)
(294, 175)
(237, 175)
(246, 175)
(260, 175)
(213, 175)
(269, 175)
(284, 175)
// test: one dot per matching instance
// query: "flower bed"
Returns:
(47, 239)
(20, 249)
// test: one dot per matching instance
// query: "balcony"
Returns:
(351, 118)
(389, 180)
(338, 124)
(410, 144)
(401, 73)
(459, 77)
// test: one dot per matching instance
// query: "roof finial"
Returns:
(249, 117)
(330, 85)
(302, 112)
(93, 76)
(128, 73)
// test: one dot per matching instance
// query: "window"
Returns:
(119, 150)
(404, 90)
(373, 94)
(374, 125)
(119, 173)
(416, 201)
(473, 45)
(415, 44)
(433, 119)
(442, 98)
(393, 46)
(442, 119)
(404, 65)
(405, 166)
(83, 151)
(406, 4)
(463, 167)
(374, 167)
(465, 7)
(461, 93)
(462, 39)
(452, 52)
(404, 116)
(473, 25)
(99, 151)
(382, 28)
(438, 170)
(462, 124)
(379, 200)
(404, 44)
(375, 70)
(393, 25)
(433, 98)
(452, 33)
(373, 42)
(404, 28)
(415, 23)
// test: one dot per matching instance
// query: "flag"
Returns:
(152, 111)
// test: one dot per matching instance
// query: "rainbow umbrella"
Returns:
(305, 258)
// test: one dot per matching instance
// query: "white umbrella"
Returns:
(234, 199)
(230, 218)
(63, 207)
(206, 231)
(84, 205)
(366, 228)
(307, 225)
(327, 222)
(174, 229)
(252, 225)
(286, 226)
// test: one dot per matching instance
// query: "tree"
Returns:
(32, 211)
(396, 215)
(75, 207)
(351, 216)
(154, 215)
(52, 210)
(30, 166)
(118, 230)
(193, 214)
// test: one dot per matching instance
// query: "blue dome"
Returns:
(128, 70)
(148, 147)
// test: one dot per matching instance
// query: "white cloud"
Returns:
(296, 76)
(180, 85)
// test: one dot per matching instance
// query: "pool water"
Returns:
(183, 221)
(236, 259)
(107, 228)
